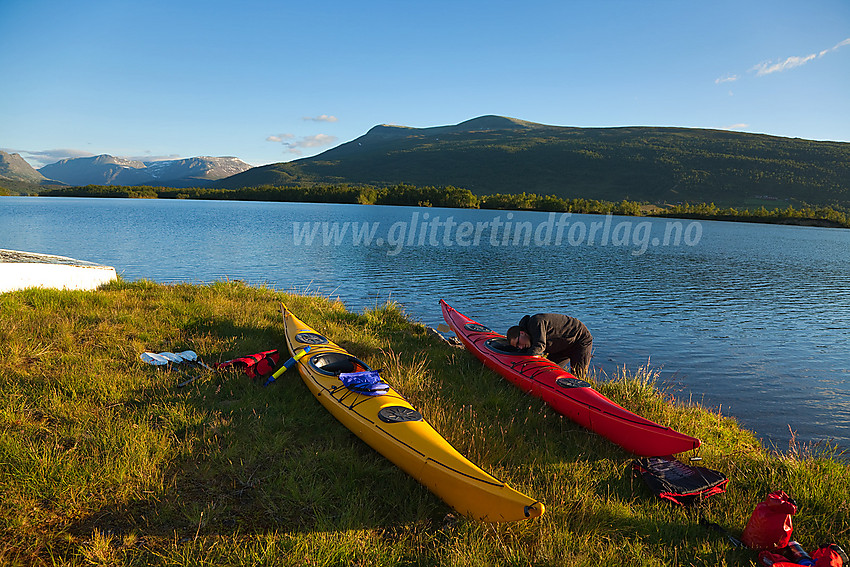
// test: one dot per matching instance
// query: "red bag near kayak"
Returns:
(255, 365)
(770, 523)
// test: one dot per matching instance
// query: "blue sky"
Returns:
(272, 81)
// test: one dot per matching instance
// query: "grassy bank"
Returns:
(104, 461)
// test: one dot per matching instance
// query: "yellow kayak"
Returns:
(390, 425)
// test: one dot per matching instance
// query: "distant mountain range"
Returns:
(495, 154)
(110, 170)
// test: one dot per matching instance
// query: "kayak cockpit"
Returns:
(500, 345)
(334, 363)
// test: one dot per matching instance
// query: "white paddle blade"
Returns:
(171, 357)
(192, 356)
(153, 358)
(188, 355)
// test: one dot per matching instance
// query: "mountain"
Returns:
(97, 170)
(494, 154)
(14, 167)
(18, 175)
(195, 171)
(110, 170)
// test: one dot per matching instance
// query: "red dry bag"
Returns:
(770, 524)
(254, 365)
(830, 555)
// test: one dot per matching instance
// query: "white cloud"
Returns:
(739, 126)
(769, 67)
(280, 137)
(40, 158)
(316, 141)
(321, 118)
(835, 47)
(294, 146)
(726, 79)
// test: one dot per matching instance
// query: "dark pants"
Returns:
(576, 357)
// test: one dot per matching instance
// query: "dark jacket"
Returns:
(553, 332)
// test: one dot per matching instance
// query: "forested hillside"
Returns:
(492, 154)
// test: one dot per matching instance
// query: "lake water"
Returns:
(752, 319)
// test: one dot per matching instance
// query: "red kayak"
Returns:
(568, 395)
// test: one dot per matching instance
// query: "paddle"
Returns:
(170, 358)
(153, 358)
(192, 356)
(288, 364)
(163, 358)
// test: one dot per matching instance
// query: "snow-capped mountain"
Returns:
(110, 170)
(205, 167)
(97, 170)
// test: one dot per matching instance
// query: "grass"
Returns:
(103, 461)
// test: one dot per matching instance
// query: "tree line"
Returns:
(455, 197)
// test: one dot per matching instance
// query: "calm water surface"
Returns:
(751, 319)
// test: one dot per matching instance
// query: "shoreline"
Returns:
(453, 197)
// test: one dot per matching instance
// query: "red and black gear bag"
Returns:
(255, 365)
(677, 482)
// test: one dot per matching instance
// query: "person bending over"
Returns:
(564, 340)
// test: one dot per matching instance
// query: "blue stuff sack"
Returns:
(368, 382)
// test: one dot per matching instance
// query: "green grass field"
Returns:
(104, 461)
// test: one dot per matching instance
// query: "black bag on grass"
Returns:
(677, 482)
